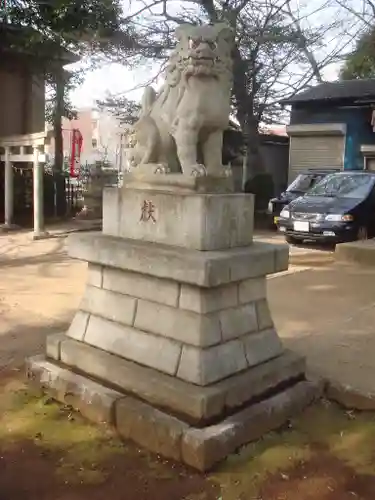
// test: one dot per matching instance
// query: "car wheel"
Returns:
(291, 240)
(362, 233)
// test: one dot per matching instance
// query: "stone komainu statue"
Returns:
(183, 124)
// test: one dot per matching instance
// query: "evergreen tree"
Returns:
(361, 63)
(53, 33)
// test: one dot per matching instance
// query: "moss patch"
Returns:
(246, 471)
(324, 454)
(324, 433)
(24, 415)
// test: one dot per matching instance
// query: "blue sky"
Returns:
(116, 79)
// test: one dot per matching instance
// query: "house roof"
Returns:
(274, 130)
(12, 36)
(336, 91)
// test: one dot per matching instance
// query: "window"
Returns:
(302, 183)
(344, 185)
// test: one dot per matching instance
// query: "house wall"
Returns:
(100, 134)
(357, 120)
(274, 150)
(36, 108)
(22, 102)
(276, 159)
(275, 156)
(86, 124)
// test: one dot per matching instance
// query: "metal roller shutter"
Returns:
(308, 152)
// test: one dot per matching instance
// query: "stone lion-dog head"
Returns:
(201, 51)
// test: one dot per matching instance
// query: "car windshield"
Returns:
(344, 186)
(303, 183)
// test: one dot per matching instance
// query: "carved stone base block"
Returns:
(184, 217)
(161, 431)
(173, 342)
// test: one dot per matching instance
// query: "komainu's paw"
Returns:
(196, 170)
(161, 168)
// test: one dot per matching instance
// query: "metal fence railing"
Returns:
(75, 187)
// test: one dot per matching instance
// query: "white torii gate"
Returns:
(36, 143)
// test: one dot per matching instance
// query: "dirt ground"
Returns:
(40, 287)
(47, 452)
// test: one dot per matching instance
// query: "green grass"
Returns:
(27, 416)
(347, 436)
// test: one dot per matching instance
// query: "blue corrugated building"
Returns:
(331, 125)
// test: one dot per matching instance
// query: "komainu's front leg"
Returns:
(212, 148)
(186, 138)
(149, 139)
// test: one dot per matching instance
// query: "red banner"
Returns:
(75, 159)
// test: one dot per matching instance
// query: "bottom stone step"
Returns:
(198, 406)
(160, 432)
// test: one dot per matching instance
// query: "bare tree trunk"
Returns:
(250, 130)
(245, 115)
(255, 163)
(57, 126)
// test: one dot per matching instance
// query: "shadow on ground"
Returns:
(55, 254)
(26, 340)
(52, 258)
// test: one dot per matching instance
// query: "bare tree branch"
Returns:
(371, 6)
(356, 13)
(303, 44)
(168, 17)
(146, 7)
(279, 49)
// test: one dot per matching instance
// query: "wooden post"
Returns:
(9, 190)
(38, 206)
(244, 171)
(57, 124)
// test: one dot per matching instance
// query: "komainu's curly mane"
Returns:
(195, 100)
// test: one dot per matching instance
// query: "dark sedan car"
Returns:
(301, 184)
(341, 207)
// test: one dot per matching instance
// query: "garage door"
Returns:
(308, 152)
(370, 164)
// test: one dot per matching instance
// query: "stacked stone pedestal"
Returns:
(173, 342)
